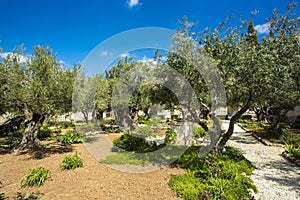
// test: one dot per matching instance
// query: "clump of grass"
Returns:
(71, 162)
(293, 150)
(35, 177)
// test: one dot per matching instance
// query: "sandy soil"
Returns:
(93, 181)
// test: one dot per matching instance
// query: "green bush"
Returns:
(2, 196)
(214, 176)
(44, 133)
(129, 142)
(199, 132)
(144, 131)
(71, 162)
(35, 177)
(170, 136)
(70, 138)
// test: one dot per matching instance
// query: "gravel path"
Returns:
(275, 177)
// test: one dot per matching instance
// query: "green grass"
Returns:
(214, 176)
(35, 177)
(253, 125)
(71, 162)
(126, 158)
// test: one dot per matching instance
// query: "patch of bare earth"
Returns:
(93, 181)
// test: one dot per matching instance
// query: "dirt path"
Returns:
(93, 181)
(275, 177)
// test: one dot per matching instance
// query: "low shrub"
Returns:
(71, 162)
(144, 131)
(199, 132)
(130, 142)
(214, 176)
(170, 136)
(70, 138)
(2, 196)
(35, 177)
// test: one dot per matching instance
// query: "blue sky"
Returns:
(73, 28)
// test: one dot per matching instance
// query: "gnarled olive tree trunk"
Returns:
(33, 123)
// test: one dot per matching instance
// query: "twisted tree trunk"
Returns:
(33, 123)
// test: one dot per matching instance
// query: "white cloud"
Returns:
(145, 59)
(62, 63)
(20, 58)
(124, 55)
(104, 53)
(164, 58)
(132, 3)
(263, 29)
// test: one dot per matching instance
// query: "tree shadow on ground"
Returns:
(244, 140)
(91, 139)
(4, 151)
(287, 174)
(46, 150)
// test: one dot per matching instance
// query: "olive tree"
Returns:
(35, 89)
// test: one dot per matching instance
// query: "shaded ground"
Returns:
(275, 177)
(93, 181)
